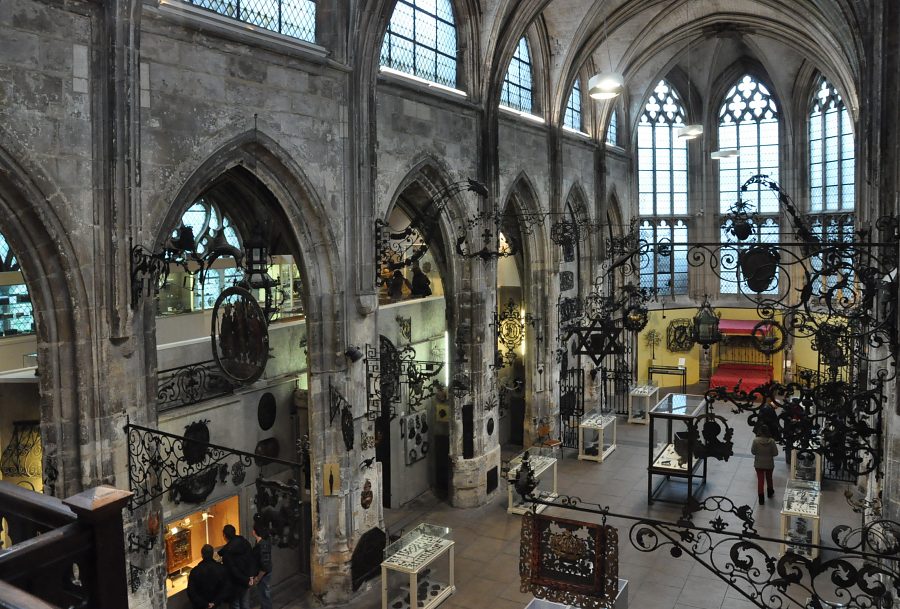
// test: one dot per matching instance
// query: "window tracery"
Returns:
(832, 163)
(421, 40)
(518, 87)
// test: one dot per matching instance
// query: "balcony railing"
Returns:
(190, 384)
(68, 553)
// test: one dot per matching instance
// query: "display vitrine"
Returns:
(800, 517)
(806, 465)
(417, 571)
(596, 436)
(641, 399)
(544, 468)
(673, 438)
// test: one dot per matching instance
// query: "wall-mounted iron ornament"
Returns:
(240, 335)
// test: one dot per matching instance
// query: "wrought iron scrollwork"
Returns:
(392, 375)
(190, 384)
(509, 326)
(157, 464)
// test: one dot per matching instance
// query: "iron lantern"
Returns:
(706, 325)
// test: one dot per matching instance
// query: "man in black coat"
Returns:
(208, 584)
(237, 556)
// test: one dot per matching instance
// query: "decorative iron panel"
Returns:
(571, 405)
(190, 384)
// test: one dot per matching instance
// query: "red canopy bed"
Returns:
(738, 363)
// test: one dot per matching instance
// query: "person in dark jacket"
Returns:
(769, 417)
(764, 451)
(262, 552)
(395, 286)
(237, 556)
(420, 286)
(208, 584)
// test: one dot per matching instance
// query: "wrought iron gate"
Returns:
(571, 405)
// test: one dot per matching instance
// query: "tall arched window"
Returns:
(295, 18)
(612, 131)
(518, 89)
(572, 118)
(832, 163)
(16, 313)
(421, 40)
(662, 188)
(748, 121)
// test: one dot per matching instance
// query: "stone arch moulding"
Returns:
(576, 202)
(65, 330)
(319, 255)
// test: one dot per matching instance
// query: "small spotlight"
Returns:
(353, 353)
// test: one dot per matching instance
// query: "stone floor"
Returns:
(487, 538)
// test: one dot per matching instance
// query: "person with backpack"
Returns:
(764, 450)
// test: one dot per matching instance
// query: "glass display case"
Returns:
(806, 465)
(640, 399)
(596, 436)
(673, 434)
(544, 467)
(800, 517)
(417, 571)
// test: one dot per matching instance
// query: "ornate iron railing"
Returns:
(861, 571)
(190, 384)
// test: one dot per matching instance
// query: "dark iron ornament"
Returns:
(730, 547)
(509, 326)
(240, 335)
(680, 335)
(391, 372)
(22, 457)
(157, 464)
(190, 384)
(706, 325)
(279, 512)
(404, 325)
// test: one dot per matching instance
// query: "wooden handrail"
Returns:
(43, 510)
(51, 546)
(13, 598)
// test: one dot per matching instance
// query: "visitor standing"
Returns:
(395, 287)
(764, 451)
(262, 553)
(208, 584)
(421, 284)
(237, 556)
(768, 417)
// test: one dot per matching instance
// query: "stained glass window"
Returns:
(517, 89)
(748, 121)
(572, 118)
(294, 18)
(612, 131)
(832, 163)
(665, 267)
(421, 40)
(16, 313)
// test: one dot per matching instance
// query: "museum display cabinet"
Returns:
(673, 439)
(417, 571)
(806, 465)
(800, 517)
(596, 436)
(641, 399)
(544, 467)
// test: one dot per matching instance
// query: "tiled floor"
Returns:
(487, 538)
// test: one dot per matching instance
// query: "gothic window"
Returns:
(748, 121)
(517, 89)
(294, 18)
(16, 314)
(662, 188)
(421, 40)
(572, 118)
(831, 152)
(612, 131)
(665, 267)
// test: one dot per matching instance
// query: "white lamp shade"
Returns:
(689, 132)
(725, 153)
(606, 85)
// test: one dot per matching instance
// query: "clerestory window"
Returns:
(518, 87)
(421, 40)
(294, 18)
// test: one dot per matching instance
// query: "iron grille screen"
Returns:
(421, 40)
(294, 18)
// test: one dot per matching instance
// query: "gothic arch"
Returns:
(305, 213)
(65, 332)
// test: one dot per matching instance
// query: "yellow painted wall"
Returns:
(664, 357)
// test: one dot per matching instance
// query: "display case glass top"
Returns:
(644, 390)
(539, 463)
(418, 547)
(801, 497)
(596, 420)
(680, 405)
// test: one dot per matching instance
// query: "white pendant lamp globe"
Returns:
(725, 153)
(606, 85)
(690, 132)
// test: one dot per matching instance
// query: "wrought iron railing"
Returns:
(190, 384)
(56, 558)
(294, 18)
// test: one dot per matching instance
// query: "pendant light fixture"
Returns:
(609, 84)
(689, 132)
(725, 153)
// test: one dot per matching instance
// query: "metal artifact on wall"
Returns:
(278, 511)
(570, 562)
(394, 374)
(240, 335)
(680, 335)
(415, 431)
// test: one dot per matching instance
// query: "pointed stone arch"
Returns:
(65, 328)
